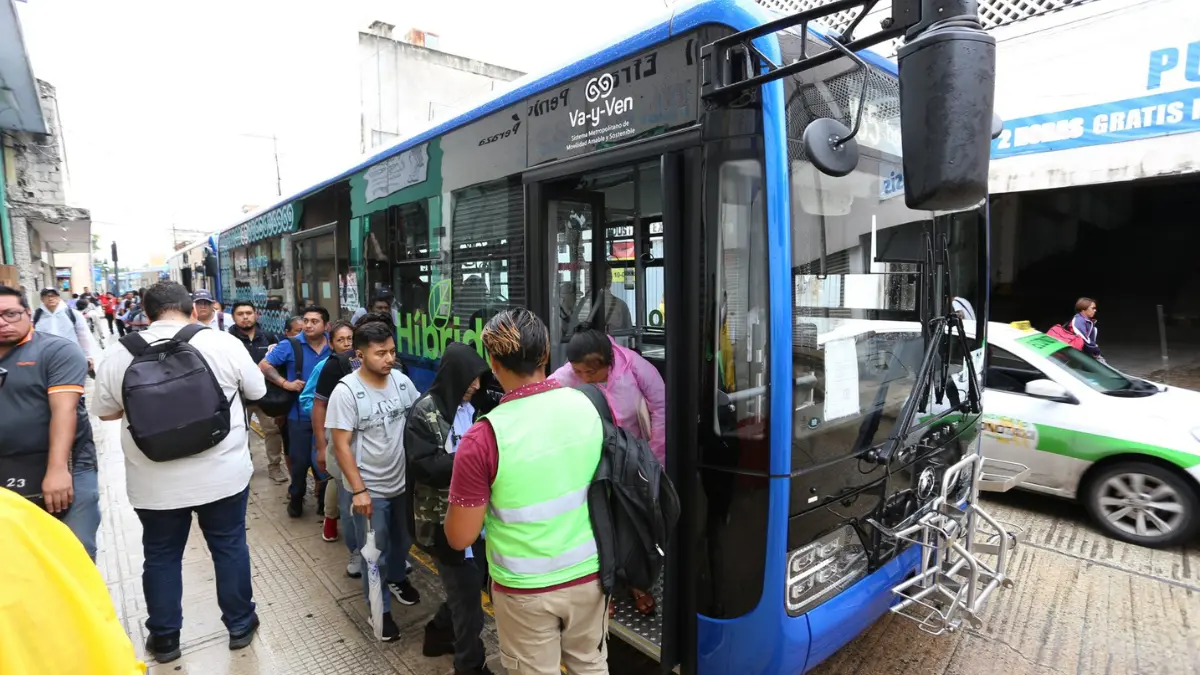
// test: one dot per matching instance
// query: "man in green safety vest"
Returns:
(541, 550)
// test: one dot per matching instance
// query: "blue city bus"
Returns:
(195, 265)
(734, 194)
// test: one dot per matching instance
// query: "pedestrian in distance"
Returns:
(1083, 324)
(64, 320)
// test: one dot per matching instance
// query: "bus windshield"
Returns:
(857, 256)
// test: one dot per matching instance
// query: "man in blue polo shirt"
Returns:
(46, 449)
(315, 343)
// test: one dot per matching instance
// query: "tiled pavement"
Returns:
(1082, 604)
(313, 616)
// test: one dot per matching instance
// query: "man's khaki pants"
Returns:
(539, 630)
(270, 436)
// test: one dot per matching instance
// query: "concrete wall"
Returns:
(405, 87)
(35, 171)
(35, 161)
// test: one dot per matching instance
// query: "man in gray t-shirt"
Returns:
(366, 414)
(375, 441)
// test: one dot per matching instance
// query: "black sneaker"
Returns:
(404, 592)
(391, 632)
(164, 648)
(295, 507)
(243, 639)
(438, 641)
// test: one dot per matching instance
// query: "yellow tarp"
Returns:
(56, 615)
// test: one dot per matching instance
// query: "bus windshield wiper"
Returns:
(937, 357)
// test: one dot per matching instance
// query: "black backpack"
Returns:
(633, 506)
(279, 401)
(173, 403)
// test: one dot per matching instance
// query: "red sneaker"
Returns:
(329, 532)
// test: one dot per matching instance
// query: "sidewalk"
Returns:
(313, 615)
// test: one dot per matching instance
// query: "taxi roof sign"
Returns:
(1022, 325)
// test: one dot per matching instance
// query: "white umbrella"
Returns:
(370, 555)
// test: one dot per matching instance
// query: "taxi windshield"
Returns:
(1099, 375)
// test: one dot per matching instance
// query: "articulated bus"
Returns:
(195, 266)
(783, 221)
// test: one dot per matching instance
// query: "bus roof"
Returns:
(681, 18)
(206, 240)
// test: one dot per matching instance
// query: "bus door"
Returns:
(614, 258)
(315, 261)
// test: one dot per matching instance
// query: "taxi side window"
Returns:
(1008, 372)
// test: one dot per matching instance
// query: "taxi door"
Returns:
(1028, 430)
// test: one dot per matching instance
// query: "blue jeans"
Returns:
(349, 526)
(389, 519)
(84, 515)
(301, 449)
(164, 536)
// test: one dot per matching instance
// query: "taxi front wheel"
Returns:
(1143, 503)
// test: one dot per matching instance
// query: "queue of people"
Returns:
(388, 462)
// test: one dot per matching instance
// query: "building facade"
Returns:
(407, 84)
(45, 242)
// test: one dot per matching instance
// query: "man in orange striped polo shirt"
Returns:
(46, 449)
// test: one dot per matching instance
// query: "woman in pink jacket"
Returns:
(635, 392)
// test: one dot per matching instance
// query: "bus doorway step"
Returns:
(643, 633)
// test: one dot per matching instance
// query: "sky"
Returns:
(168, 108)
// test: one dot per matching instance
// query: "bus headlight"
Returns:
(819, 570)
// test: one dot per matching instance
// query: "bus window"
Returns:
(572, 222)
(487, 252)
(741, 349)
(397, 253)
(628, 269)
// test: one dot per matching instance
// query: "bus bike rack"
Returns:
(955, 581)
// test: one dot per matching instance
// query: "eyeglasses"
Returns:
(12, 315)
(3, 377)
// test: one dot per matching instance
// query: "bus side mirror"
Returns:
(947, 90)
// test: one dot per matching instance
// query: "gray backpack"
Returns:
(173, 403)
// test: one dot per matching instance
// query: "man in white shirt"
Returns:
(208, 312)
(213, 484)
(58, 318)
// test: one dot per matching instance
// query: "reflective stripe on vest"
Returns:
(547, 565)
(543, 511)
(538, 524)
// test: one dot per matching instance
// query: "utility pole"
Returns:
(278, 180)
(274, 151)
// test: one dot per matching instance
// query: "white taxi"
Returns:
(1128, 449)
